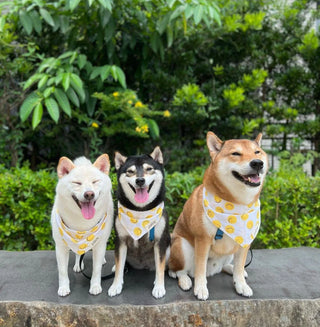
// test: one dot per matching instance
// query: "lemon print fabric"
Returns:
(80, 242)
(240, 222)
(139, 223)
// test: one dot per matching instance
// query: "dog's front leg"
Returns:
(160, 263)
(239, 281)
(98, 254)
(120, 258)
(62, 255)
(201, 248)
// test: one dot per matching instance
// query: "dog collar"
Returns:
(240, 222)
(80, 242)
(138, 223)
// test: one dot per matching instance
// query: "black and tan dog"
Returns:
(142, 229)
(221, 217)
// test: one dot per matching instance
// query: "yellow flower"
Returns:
(145, 129)
(115, 94)
(138, 104)
(94, 125)
(166, 113)
(130, 102)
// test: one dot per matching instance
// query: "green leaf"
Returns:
(154, 128)
(47, 16)
(43, 81)
(63, 101)
(105, 72)
(106, 4)
(121, 77)
(34, 78)
(66, 77)
(48, 91)
(37, 115)
(198, 13)
(26, 21)
(77, 84)
(73, 97)
(36, 21)
(96, 71)
(28, 104)
(82, 60)
(66, 54)
(52, 108)
(73, 4)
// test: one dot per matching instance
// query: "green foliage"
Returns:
(123, 113)
(26, 199)
(290, 205)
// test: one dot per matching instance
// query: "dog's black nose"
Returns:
(140, 181)
(256, 164)
(89, 195)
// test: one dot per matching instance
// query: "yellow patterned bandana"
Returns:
(138, 223)
(80, 242)
(240, 222)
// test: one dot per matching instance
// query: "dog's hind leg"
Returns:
(120, 258)
(160, 263)
(181, 262)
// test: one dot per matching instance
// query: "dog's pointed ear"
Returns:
(103, 163)
(214, 144)
(156, 155)
(65, 165)
(119, 160)
(258, 139)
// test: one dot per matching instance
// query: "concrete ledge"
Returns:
(285, 283)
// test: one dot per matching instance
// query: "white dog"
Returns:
(82, 216)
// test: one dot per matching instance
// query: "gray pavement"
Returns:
(273, 274)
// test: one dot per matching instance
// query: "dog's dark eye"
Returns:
(257, 152)
(77, 183)
(236, 154)
(130, 172)
(148, 169)
(97, 181)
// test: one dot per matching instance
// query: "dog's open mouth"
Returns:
(141, 193)
(251, 180)
(87, 208)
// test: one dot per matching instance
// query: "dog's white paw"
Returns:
(243, 289)
(172, 274)
(201, 292)
(185, 282)
(95, 289)
(158, 291)
(115, 289)
(64, 290)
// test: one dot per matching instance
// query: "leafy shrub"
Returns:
(26, 198)
(290, 205)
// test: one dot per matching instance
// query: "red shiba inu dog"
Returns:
(221, 218)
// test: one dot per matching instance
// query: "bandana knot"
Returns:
(138, 223)
(80, 242)
(240, 222)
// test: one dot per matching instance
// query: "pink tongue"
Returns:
(255, 178)
(142, 195)
(87, 210)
